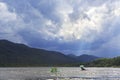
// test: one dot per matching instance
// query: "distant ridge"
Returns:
(20, 54)
(14, 54)
(86, 58)
(83, 58)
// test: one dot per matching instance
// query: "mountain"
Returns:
(105, 62)
(83, 58)
(86, 58)
(72, 56)
(21, 55)
(14, 54)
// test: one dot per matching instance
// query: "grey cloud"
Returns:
(66, 26)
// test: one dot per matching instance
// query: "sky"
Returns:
(69, 26)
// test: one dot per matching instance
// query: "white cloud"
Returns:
(77, 21)
(116, 8)
(7, 19)
(5, 14)
(10, 24)
(62, 21)
(89, 24)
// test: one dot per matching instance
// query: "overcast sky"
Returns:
(69, 26)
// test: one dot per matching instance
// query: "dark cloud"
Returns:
(79, 27)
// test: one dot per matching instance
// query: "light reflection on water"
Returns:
(64, 73)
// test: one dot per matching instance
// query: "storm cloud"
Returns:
(74, 26)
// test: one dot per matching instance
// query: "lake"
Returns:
(64, 73)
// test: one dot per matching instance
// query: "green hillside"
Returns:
(105, 62)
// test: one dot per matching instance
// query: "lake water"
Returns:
(64, 73)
